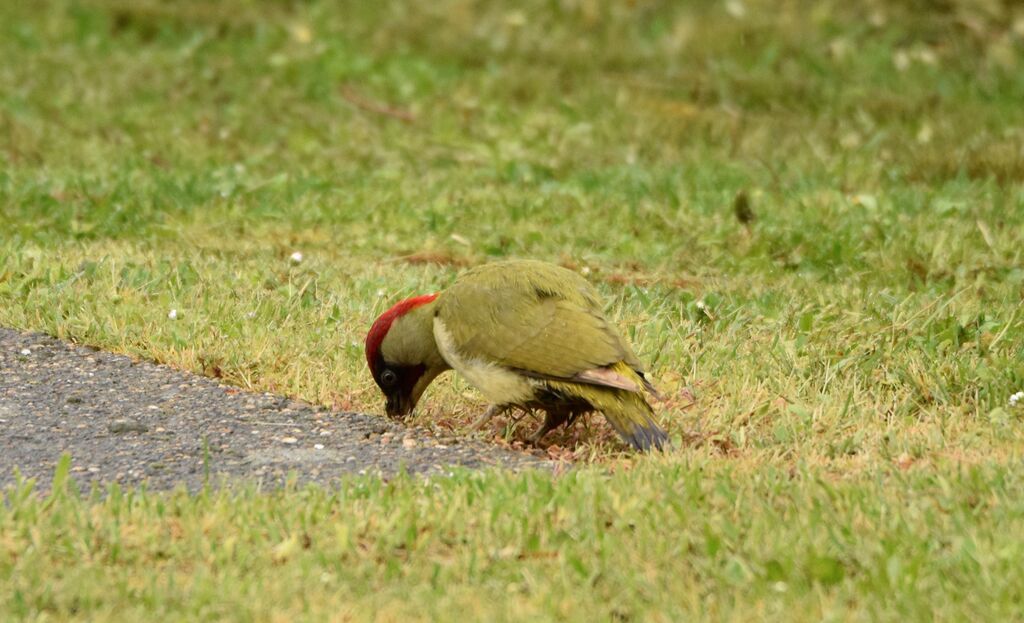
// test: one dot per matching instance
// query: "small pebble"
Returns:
(25, 351)
(318, 446)
(1016, 399)
(409, 442)
(289, 440)
(119, 427)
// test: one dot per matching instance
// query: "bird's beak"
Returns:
(399, 404)
(402, 400)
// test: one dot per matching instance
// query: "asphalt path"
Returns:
(134, 421)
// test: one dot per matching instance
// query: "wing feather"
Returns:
(541, 319)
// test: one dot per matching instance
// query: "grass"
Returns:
(669, 540)
(837, 368)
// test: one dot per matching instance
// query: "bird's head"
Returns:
(402, 354)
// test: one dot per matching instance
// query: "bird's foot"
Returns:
(535, 438)
(491, 411)
(551, 422)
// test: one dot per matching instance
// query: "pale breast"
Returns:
(498, 384)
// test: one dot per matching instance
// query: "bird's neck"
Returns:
(416, 338)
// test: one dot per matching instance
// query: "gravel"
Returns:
(131, 422)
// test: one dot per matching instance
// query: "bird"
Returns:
(527, 335)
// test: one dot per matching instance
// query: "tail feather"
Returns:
(627, 411)
(631, 416)
(633, 419)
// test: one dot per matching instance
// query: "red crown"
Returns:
(382, 325)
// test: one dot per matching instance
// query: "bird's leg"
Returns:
(491, 411)
(552, 420)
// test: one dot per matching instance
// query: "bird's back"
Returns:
(532, 333)
(533, 316)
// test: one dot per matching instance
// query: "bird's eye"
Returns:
(388, 378)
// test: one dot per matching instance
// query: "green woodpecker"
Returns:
(526, 334)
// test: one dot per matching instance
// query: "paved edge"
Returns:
(129, 421)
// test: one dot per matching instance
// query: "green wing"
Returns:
(532, 316)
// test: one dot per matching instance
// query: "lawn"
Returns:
(808, 217)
